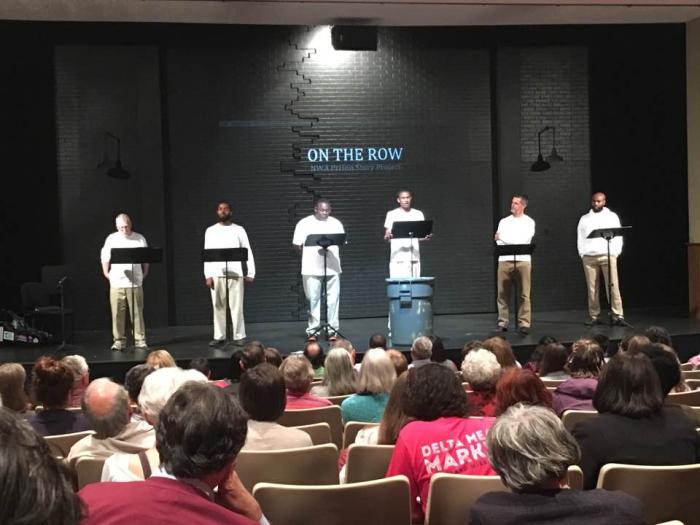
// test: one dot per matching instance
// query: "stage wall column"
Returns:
(692, 44)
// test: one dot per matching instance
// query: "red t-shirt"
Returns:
(453, 445)
(307, 400)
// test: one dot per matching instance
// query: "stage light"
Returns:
(116, 169)
(540, 164)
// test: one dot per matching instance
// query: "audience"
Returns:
(133, 381)
(658, 334)
(398, 360)
(501, 348)
(471, 345)
(440, 438)
(482, 371)
(193, 465)
(200, 364)
(314, 353)
(273, 356)
(633, 426)
(339, 375)
(439, 354)
(160, 359)
(520, 386)
(377, 341)
(633, 343)
(347, 346)
(534, 362)
(81, 377)
(298, 375)
(584, 365)
(51, 385)
(376, 378)
(251, 355)
(12, 394)
(421, 351)
(554, 357)
(531, 451)
(263, 397)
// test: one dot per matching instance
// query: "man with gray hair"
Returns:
(106, 407)
(81, 378)
(121, 279)
(421, 351)
(531, 451)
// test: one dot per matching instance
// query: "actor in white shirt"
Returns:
(312, 265)
(404, 260)
(121, 279)
(226, 234)
(594, 255)
(517, 228)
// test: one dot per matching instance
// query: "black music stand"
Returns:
(134, 256)
(514, 250)
(226, 255)
(609, 234)
(325, 241)
(411, 230)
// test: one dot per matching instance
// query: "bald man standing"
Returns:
(594, 255)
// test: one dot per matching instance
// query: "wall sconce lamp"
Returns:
(115, 169)
(540, 164)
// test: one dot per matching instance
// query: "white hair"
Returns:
(123, 218)
(77, 364)
(481, 369)
(422, 348)
(160, 385)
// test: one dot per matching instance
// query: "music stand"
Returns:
(514, 250)
(134, 256)
(609, 234)
(226, 255)
(325, 241)
(411, 230)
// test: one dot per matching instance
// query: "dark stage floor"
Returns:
(186, 342)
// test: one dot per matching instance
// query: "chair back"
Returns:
(309, 416)
(691, 398)
(337, 400)
(316, 465)
(351, 429)
(667, 492)
(571, 417)
(574, 476)
(379, 502)
(687, 366)
(33, 295)
(60, 444)
(690, 374)
(552, 382)
(367, 462)
(320, 433)
(89, 470)
(693, 383)
(451, 496)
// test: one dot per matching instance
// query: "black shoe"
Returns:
(620, 321)
(524, 330)
(240, 342)
(217, 343)
(116, 348)
(501, 328)
(592, 321)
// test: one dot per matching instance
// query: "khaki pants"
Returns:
(119, 298)
(505, 277)
(593, 266)
(235, 304)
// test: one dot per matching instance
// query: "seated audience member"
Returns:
(339, 375)
(273, 356)
(314, 353)
(251, 355)
(200, 364)
(633, 343)
(633, 426)
(36, 489)
(584, 365)
(193, 465)
(160, 359)
(81, 377)
(298, 375)
(106, 407)
(155, 392)
(51, 385)
(421, 351)
(440, 438)
(378, 341)
(133, 381)
(536, 357)
(605, 344)
(398, 360)
(349, 348)
(531, 451)
(554, 357)
(471, 345)
(263, 397)
(12, 394)
(658, 334)
(482, 371)
(501, 348)
(376, 378)
(439, 354)
(681, 386)
(520, 386)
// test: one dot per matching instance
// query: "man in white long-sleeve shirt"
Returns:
(594, 255)
(517, 228)
(225, 234)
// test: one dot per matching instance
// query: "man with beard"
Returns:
(594, 255)
(226, 234)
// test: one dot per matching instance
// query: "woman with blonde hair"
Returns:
(160, 359)
(339, 375)
(12, 394)
(377, 377)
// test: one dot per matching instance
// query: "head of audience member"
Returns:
(160, 359)
(658, 334)
(160, 385)
(471, 345)
(521, 386)
(51, 383)
(501, 348)
(433, 391)
(346, 345)
(530, 449)
(200, 364)
(554, 356)
(439, 354)
(339, 374)
(481, 369)
(298, 374)
(35, 487)
(377, 374)
(421, 349)
(262, 392)
(604, 343)
(633, 343)
(81, 377)
(536, 357)
(133, 381)
(12, 380)
(209, 454)
(586, 359)
(273, 356)
(314, 353)
(398, 360)
(377, 341)
(628, 386)
(106, 407)
(666, 365)
(394, 418)
(250, 356)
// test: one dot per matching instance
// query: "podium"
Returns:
(411, 230)
(325, 241)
